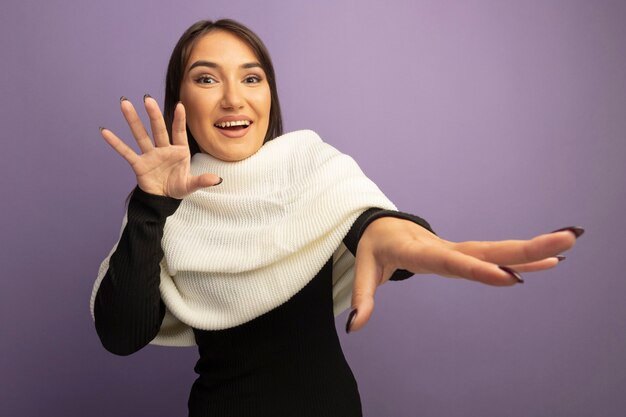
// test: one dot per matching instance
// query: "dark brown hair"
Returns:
(178, 62)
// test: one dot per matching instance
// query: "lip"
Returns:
(232, 119)
(233, 134)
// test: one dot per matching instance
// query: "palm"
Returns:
(162, 168)
(166, 169)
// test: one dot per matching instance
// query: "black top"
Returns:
(285, 362)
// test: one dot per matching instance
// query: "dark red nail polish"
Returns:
(145, 96)
(577, 230)
(513, 273)
(351, 318)
(221, 181)
(561, 258)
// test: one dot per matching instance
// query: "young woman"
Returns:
(246, 241)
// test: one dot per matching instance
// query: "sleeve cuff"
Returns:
(358, 227)
(151, 206)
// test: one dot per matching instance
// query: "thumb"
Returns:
(202, 181)
(367, 275)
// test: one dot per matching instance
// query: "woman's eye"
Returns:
(252, 79)
(205, 79)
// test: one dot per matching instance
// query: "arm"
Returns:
(128, 309)
(368, 216)
(389, 244)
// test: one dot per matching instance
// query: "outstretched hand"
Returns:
(389, 243)
(162, 168)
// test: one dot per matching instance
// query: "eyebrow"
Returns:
(210, 64)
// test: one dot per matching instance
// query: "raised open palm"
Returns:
(162, 168)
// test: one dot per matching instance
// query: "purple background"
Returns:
(491, 119)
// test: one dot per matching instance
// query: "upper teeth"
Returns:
(233, 123)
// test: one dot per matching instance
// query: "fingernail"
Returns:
(561, 258)
(577, 230)
(351, 318)
(101, 128)
(145, 96)
(513, 273)
(123, 99)
(221, 181)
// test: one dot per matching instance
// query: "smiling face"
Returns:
(226, 96)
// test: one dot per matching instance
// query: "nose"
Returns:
(232, 97)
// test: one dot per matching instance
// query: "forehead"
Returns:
(222, 48)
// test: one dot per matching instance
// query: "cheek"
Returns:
(193, 112)
(191, 102)
(268, 101)
(262, 99)
(193, 119)
(265, 105)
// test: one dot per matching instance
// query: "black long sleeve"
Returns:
(128, 308)
(368, 216)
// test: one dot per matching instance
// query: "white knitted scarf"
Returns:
(238, 250)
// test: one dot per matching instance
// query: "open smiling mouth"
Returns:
(234, 126)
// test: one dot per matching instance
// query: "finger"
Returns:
(509, 252)
(136, 126)
(118, 145)
(179, 126)
(449, 262)
(203, 181)
(537, 266)
(367, 275)
(157, 123)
